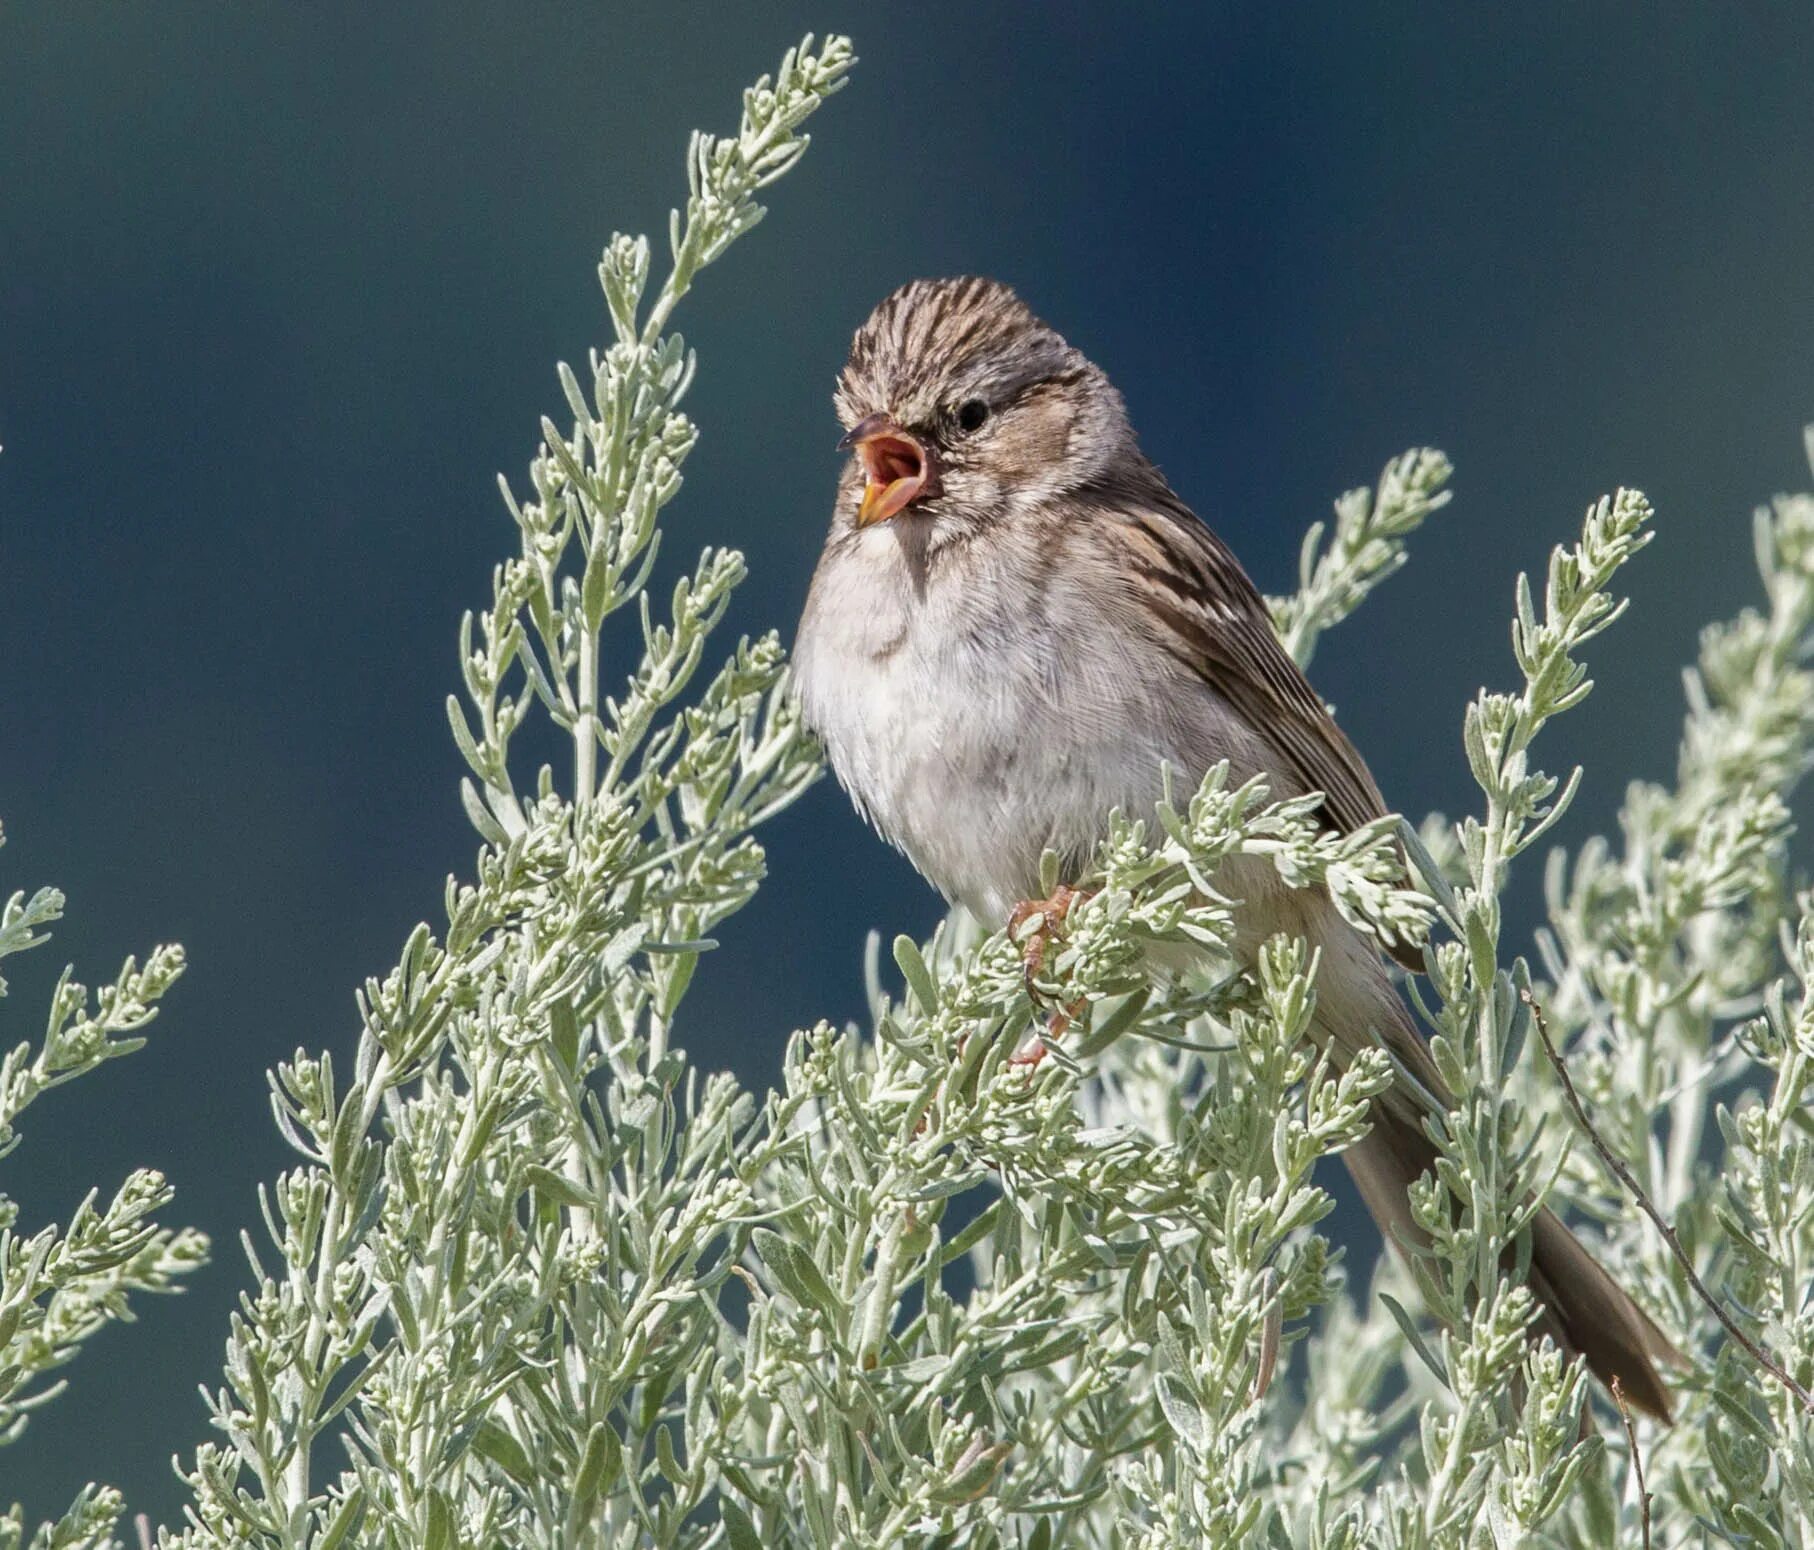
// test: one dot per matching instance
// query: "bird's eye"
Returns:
(970, 415)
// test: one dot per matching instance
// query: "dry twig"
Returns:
(1637, 1462)
(1626, 1177)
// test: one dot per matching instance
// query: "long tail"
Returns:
(1584, 1310)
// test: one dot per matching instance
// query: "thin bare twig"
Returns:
(1637, 1461)
(1629, 1180)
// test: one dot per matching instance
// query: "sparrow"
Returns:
(1016, 626)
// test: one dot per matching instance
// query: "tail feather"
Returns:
(1583, 1310)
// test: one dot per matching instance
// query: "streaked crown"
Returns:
(932, 342)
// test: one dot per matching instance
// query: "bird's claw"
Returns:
(1057, 1025)
(1052, 912)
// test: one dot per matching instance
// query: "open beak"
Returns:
(898, 468)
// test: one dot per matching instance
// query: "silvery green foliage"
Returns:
(1663, 961)
(538, 1283)
(1665, 953)
(1503, 1446)
(61, 1284)
(1365, 547)
(491, 1294)
(990, 1288)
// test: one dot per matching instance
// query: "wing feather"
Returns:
(1212, 618)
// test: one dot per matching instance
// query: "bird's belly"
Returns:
(974, 761)
(981, 795)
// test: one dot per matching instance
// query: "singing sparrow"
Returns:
(1015, 623)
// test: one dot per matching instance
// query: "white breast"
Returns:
(1000, 709)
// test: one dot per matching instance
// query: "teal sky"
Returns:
(282, 287)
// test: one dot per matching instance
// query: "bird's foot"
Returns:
(1057, 1025)
(1052, 913)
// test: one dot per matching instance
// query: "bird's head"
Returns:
(961, 408)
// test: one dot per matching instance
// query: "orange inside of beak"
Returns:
(896, 468)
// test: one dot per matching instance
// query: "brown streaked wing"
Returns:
(1216, 622)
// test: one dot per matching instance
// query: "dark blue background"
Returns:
(281, 288)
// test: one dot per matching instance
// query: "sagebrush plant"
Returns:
(61, 1284)
(538, 1282)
